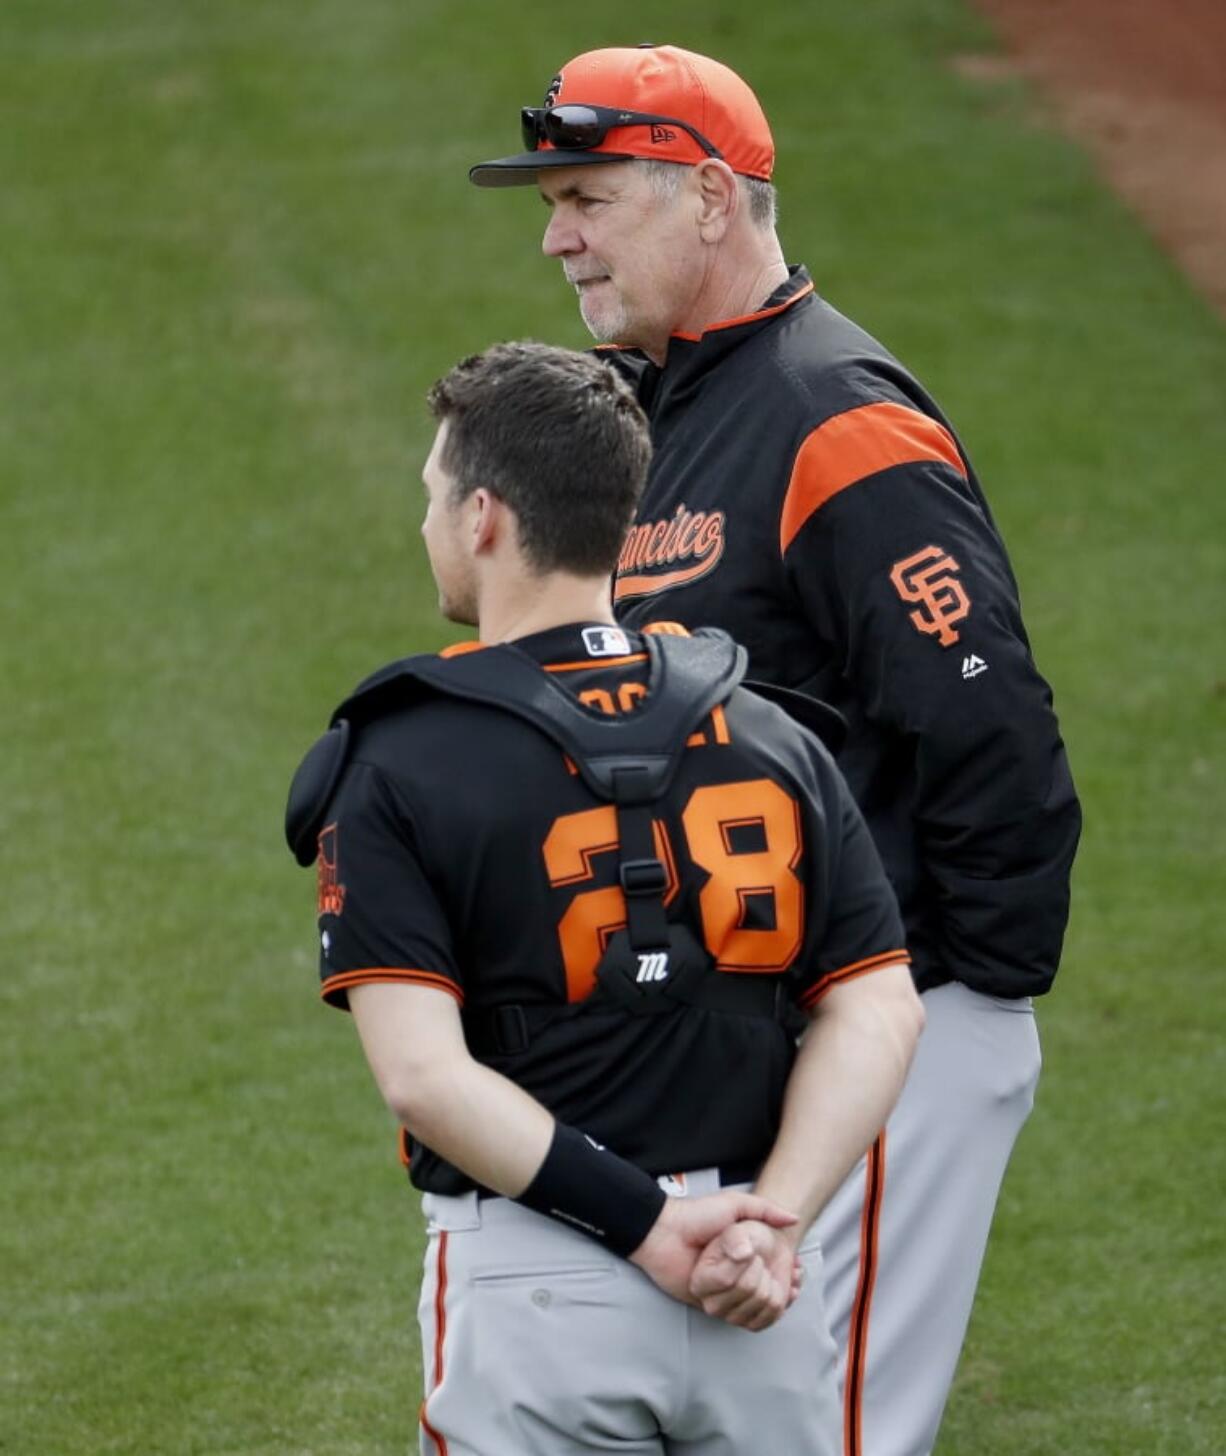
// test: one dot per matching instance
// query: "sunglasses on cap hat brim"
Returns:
(576, 127)
(572, 131)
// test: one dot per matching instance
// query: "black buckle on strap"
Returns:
(643, 877)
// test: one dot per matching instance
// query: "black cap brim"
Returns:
(521, 171)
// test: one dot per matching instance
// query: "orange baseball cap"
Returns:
(655, 102)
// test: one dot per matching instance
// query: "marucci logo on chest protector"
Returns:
(929, 578)
(694, 537)
(653, 966)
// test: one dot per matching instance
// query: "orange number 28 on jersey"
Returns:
(746, 836)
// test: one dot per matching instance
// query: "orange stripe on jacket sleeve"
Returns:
(856, 444)
(373, 975)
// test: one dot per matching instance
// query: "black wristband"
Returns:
(584, 1185)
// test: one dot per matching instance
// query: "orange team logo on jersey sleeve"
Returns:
(331, 894)
(688, 543)
(929, 578)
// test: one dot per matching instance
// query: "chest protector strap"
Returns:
(689, 676)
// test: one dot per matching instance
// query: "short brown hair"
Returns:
(558, 436)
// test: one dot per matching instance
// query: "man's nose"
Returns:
(561, 237)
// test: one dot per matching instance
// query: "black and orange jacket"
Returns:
(810, 498)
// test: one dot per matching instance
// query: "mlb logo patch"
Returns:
(605, 642)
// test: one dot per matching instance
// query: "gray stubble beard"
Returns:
(612, 332)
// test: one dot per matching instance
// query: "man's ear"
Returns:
(487, 520)
(718, 198)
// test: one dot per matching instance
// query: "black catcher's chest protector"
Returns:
(652, 966)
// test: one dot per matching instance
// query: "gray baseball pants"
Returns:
(903, 1239)
(538, 1342)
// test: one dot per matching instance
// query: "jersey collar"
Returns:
(691, 356)
(796, 285)
(586, 643)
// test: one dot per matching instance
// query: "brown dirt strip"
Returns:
(1142, 84)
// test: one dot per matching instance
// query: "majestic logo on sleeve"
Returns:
(331, 898)
(930, 578)
(671, 552)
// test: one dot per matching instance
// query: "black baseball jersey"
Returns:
(462, 850)
(809, 497)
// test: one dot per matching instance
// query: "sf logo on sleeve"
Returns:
(330, 897)
(929, 578)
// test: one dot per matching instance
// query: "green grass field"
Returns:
(238, 244)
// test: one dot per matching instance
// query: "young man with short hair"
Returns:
(579, 889)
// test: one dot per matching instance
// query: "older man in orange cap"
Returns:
(809, 496)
